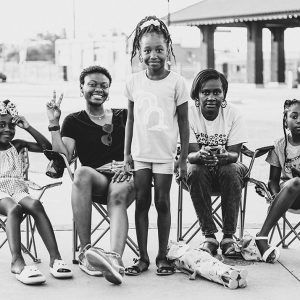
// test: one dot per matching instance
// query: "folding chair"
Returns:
(104, 218)
(29, 246)
(190, 233)
(285, 238)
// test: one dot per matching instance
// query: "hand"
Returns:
(207, 158)
(21, 122)
(180, 169)
(223, 157)
(53, 109)
(128, 163)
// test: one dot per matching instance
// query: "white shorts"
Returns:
(157, 168)
(17, 196)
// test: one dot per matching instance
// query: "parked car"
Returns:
(2, 77)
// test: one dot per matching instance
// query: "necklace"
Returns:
(100, 117)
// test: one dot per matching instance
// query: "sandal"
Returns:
(31, 275)
(164, 267)
(138, 267)
(271, 255)
(210, 245)
(60, 269)
(230, 248)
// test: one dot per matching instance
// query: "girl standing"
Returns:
(157, 106)
(15, 199)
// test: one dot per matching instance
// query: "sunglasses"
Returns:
(106, 139)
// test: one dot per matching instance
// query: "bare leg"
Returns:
(162, 185)
(14, 213)
(142, 182)
(288, 196)
(86, 182)
(43, 225)
(120, 196)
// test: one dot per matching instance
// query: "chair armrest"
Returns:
(257, 153)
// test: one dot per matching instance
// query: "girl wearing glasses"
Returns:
(97, 134)
(157, 107)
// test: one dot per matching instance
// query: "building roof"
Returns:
(237, 12)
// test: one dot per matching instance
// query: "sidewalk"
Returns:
(265, 281)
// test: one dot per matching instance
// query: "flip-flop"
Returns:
(31, 275)
(136, 269)
(60, 269)
(230, 248)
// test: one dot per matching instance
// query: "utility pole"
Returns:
(74, 20)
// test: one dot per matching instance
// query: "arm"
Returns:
(184, 132)
(41, 142)
(274, 179)
(128, 135)
(63, 145)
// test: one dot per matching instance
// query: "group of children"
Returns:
(150, 146)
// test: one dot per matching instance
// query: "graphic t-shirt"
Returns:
(155, 128)
(226, 130)
(276, 157)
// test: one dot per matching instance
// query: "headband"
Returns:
(9, 108)
(150, 22)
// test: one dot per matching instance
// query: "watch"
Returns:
(53, 128)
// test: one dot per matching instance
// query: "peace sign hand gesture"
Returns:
(53, 109)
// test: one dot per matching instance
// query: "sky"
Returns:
(22, 19)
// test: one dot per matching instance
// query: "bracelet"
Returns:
(53, 128)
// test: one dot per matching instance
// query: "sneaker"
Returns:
(85, 266)
(106, 263)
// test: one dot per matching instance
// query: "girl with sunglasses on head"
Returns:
(284, 181)
(97, 134)
(15, 199)
(157, 107)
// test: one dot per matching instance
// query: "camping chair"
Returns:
(104, 218)
(29, 247)
(190, 233)
(285, 238)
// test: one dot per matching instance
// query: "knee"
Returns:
(117, 198)
(233, 171)
(82, 176)
(35, 208)
(16, 211)
(293, 186)
(162, 204)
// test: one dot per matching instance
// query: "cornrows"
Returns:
(148, 25)
(287, 104)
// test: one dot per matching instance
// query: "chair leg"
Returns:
(75, 244)
(179, 214)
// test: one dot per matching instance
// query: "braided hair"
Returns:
(159, 28)
(286, 106)
(202, 77)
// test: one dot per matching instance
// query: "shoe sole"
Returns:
(100, 263)
(95, 273)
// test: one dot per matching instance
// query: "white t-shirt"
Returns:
(276, 157)
(155, 128)
(226, 130)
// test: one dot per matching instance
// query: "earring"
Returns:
(140, 58)
(197, 103)
(224, 103)
(81, 94)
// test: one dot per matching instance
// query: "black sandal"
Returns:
(230, 248)
(137, 268)
(162, 269)
(210, 245)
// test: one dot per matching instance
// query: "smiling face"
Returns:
(154, 52)
(95, 88)
(211, 96)
(7, 130)
(293, 119)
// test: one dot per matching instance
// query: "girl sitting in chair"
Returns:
(16, 201)
(284, 181)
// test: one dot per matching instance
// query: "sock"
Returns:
(227, 236)
(210, 236)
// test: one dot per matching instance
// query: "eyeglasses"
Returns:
(106, 139)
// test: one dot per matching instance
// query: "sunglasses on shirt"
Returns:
(106, 139)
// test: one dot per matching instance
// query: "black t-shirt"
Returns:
(87, 135)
